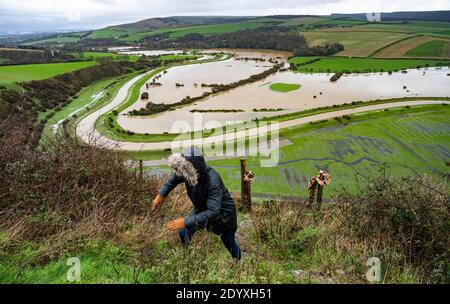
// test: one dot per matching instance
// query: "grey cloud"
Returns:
(21, 15)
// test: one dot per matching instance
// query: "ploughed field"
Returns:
(356, 43)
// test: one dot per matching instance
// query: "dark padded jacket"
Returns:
(213, 205)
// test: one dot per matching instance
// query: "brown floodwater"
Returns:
(151, 52)
(193, 75)
(316, 91)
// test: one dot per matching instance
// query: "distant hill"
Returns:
(175, 22)
(175, 27)
(403, 16)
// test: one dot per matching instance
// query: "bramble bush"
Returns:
(407, 217)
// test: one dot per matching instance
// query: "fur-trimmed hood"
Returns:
(190, 165)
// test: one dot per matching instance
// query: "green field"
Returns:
(337, 64)
(284, 87)
(178, 57)
(104, 55)
(105, 33)
(407, 139)
(55, 40)
(301, 21)
(417, 27)
(301, 60)
(341, 22)
(27, 72)
(433, 48)
(203, 29)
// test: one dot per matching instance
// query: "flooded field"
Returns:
(151, 53)
(316, 91)
(192, 76)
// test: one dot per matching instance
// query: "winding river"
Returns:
(316, 91)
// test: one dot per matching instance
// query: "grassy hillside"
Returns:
(117, 239)
(54, 40)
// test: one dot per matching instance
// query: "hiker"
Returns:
(214, 207)
(315, 187)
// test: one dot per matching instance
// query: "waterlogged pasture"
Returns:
(407, 140)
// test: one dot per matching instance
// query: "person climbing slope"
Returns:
(315, 187)
(214, 207)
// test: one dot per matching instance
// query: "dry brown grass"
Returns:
(72, 191)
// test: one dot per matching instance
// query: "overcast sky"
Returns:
(38, 15)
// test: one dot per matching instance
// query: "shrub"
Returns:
(279, 226)
(407, 216)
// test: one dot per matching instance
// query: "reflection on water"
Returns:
(316, 91)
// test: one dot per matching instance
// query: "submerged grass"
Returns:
(284, 87)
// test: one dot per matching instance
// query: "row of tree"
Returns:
(23, 56)
(268, 37)
(320, 50)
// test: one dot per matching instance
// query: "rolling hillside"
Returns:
(398, 35)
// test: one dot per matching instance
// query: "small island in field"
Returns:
(284, 87)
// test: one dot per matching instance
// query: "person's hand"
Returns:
(159, 199)
(177, 224)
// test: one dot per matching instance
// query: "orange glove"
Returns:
(177, 224)
(159, 199)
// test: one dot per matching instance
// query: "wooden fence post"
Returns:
(246, 196)
(141, 173)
